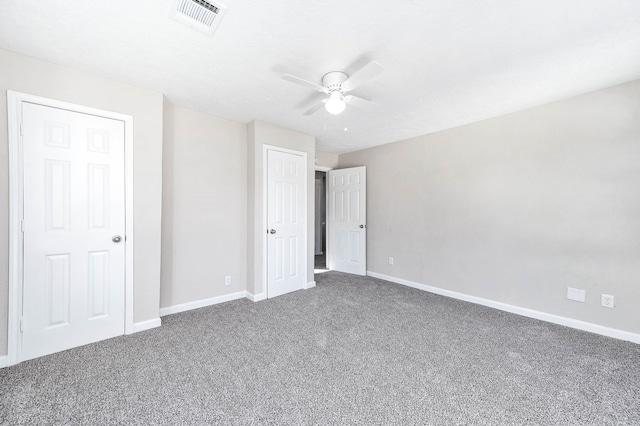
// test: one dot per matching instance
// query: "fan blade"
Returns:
(363, 75)
(358, 101)
(311, 99)
(313, 109)
(304, 83)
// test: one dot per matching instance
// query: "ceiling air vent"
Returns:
(200, 15)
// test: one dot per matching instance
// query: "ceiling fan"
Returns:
(336, 84)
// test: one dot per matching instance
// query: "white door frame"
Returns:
(265, 212)
(326, 170)
(16, 213)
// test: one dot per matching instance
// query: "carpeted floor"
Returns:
(350, 351)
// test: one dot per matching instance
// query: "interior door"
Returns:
(74, 223)
(347, 220)
(286, 222)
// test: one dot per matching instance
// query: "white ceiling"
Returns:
(447, 62)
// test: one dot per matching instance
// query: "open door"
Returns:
(347, 225)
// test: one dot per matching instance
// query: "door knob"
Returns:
(272, 231)
(116, 238)
(361, 226)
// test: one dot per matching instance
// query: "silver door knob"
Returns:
(272, 231)
(116, 238)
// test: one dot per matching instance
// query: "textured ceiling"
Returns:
(447, 62)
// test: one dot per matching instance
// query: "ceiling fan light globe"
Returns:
(335, 105)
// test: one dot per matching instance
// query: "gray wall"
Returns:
(326, 159)
(204, 206)
(24, 74)
(517, 208)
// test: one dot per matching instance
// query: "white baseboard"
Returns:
(263, 296)
(555, 319)
(256, 297)
(146, 325)
(4, 361)
(201, 303)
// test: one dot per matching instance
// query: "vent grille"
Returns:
(201, 15)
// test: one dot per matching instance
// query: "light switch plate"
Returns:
(576, 294)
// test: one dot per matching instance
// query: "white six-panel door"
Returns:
(286, 222)
(347, 221)
(74, 209)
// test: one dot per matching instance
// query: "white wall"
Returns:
(258, 135)
(204, 206)
(24, 74)
(516, 208)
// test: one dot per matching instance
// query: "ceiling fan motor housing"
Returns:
(333, 80)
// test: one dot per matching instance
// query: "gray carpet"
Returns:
(350, 351)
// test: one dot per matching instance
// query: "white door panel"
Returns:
(286, 222)
(347, 220)
(74, 274)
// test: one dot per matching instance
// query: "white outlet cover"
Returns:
(607, 301)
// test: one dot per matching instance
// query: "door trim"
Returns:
(265, 177)
(16, 213)
(326, 170)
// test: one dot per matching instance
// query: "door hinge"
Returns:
(22, 225)
(21, 325)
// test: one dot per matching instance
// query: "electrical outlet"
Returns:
(227, 280)
(607, 301)
(576, 294)
(391, 261)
